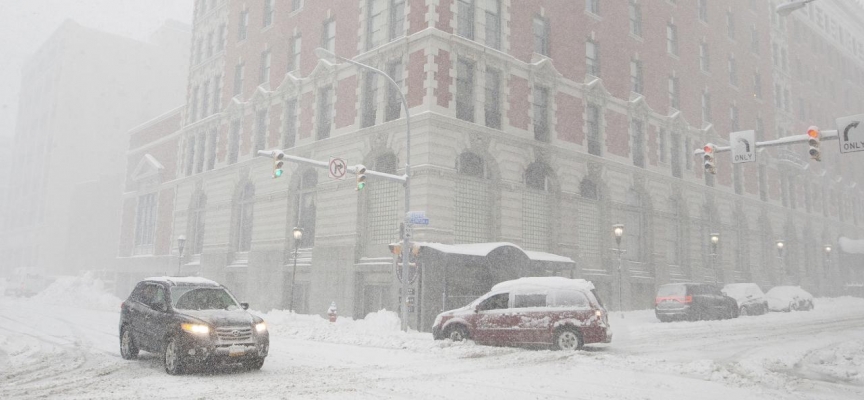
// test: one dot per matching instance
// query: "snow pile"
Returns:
(843, 363)
(2, 286)
(379, 329)
(79, 291)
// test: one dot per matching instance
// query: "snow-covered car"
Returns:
(564, 313)
(789, 298)
(751, 300)
(27, 284)
(191, 322)
(693, 301)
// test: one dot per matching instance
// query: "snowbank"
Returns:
(79, 291)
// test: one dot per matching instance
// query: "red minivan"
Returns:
(564, 313)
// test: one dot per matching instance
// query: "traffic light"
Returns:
(361, 177)
(814, 140)
(710, 149)
(277, 163)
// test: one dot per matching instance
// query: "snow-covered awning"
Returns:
(483, 250)
(851, 246)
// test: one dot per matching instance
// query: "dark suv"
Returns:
(693, 301)
(191, 321)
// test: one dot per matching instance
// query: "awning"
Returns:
(851, 246)
(481, 250)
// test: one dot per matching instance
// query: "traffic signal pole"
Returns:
(826, 135)
(325, 165)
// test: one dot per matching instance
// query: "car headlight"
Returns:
(196, 328)
(260, 327)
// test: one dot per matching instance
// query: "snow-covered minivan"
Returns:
(564, 313)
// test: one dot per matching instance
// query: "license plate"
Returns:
(236, 351)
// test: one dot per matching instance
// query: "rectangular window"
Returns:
(703, 10)
(493, 24)
(234, 142)
(636, 76)
(200, 153)
(754, 39)
(730, 24)
(592, 58)
(492, 103)
(704, 58)
(541, 35)
(217, 93)
(264, 71)
(635, 18)
(190, 155)
(675, 154)
(465, 19)
(268, 12)
(211, 149)
(205, 99)
(296, 4)
(220, 38)
(733, 72)
(289, 137)
(706, 107)
(757, 85)
(145, 226)
(592, 124)
(664, 147)
(209, 52)
(370, 99)
(193, 106)
(673, 92)
(294, 54)
(688, 156)
(465, 90)
(325, 112)
(261, 131)
(328, 35)
(541, 114)
(394, 99)
(592, 6)
(239, 70)
(672, 39)
(375, 23)
(397, 19)
(733, 117)
(243, 25)
(638, 143)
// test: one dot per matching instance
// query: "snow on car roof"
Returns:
(788, 291)
(544, 282)
(184, 280)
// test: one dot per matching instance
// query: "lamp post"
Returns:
(780, 245)
(328, 55)
(618, 233)
(298, 234)
(181, 243)
(715, 241)
(827, 249)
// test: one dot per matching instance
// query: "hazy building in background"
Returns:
(537, 125)
(80, 91)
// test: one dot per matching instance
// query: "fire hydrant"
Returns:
(331, 312)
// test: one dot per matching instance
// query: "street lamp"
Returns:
(181, 243)
(715, 241)
(787, 8)
(298, 234)
(618, 233)
(780, 245)
(328, 55)
(827, 250)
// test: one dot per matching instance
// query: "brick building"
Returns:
(538, 124)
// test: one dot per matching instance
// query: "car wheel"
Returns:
(255, 364)
(173, 358)
(457, 333)
(127, 347)
(568, 339)
(664, 319)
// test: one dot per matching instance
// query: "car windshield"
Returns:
(736, 290)
(191, 298)
(672, 290)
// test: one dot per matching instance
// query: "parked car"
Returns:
(751, 300)
(191, 322)
(789, 298)
(693, 301)
(564, 313)
(27, 284)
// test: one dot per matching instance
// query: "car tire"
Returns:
(664, 319)
(255, 364)
(127, 346)
(457, 333)
(568, 339)
(173, 358)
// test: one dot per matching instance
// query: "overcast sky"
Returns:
(26, 24)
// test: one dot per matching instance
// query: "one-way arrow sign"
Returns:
(851, 133)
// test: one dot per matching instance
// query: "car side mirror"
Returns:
(244, 306)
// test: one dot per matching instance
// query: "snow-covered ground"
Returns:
(63, 343)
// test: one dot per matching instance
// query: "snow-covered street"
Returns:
(60, 345)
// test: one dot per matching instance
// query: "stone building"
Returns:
(535, 126)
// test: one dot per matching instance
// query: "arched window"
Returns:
(590, 233)
(197, 211)
(383, 207)
(588, 189)
(536, 176)
(245, 216)
(306, 209)
(473, 220)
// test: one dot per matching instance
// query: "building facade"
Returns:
(82, 87)
(539, 124)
